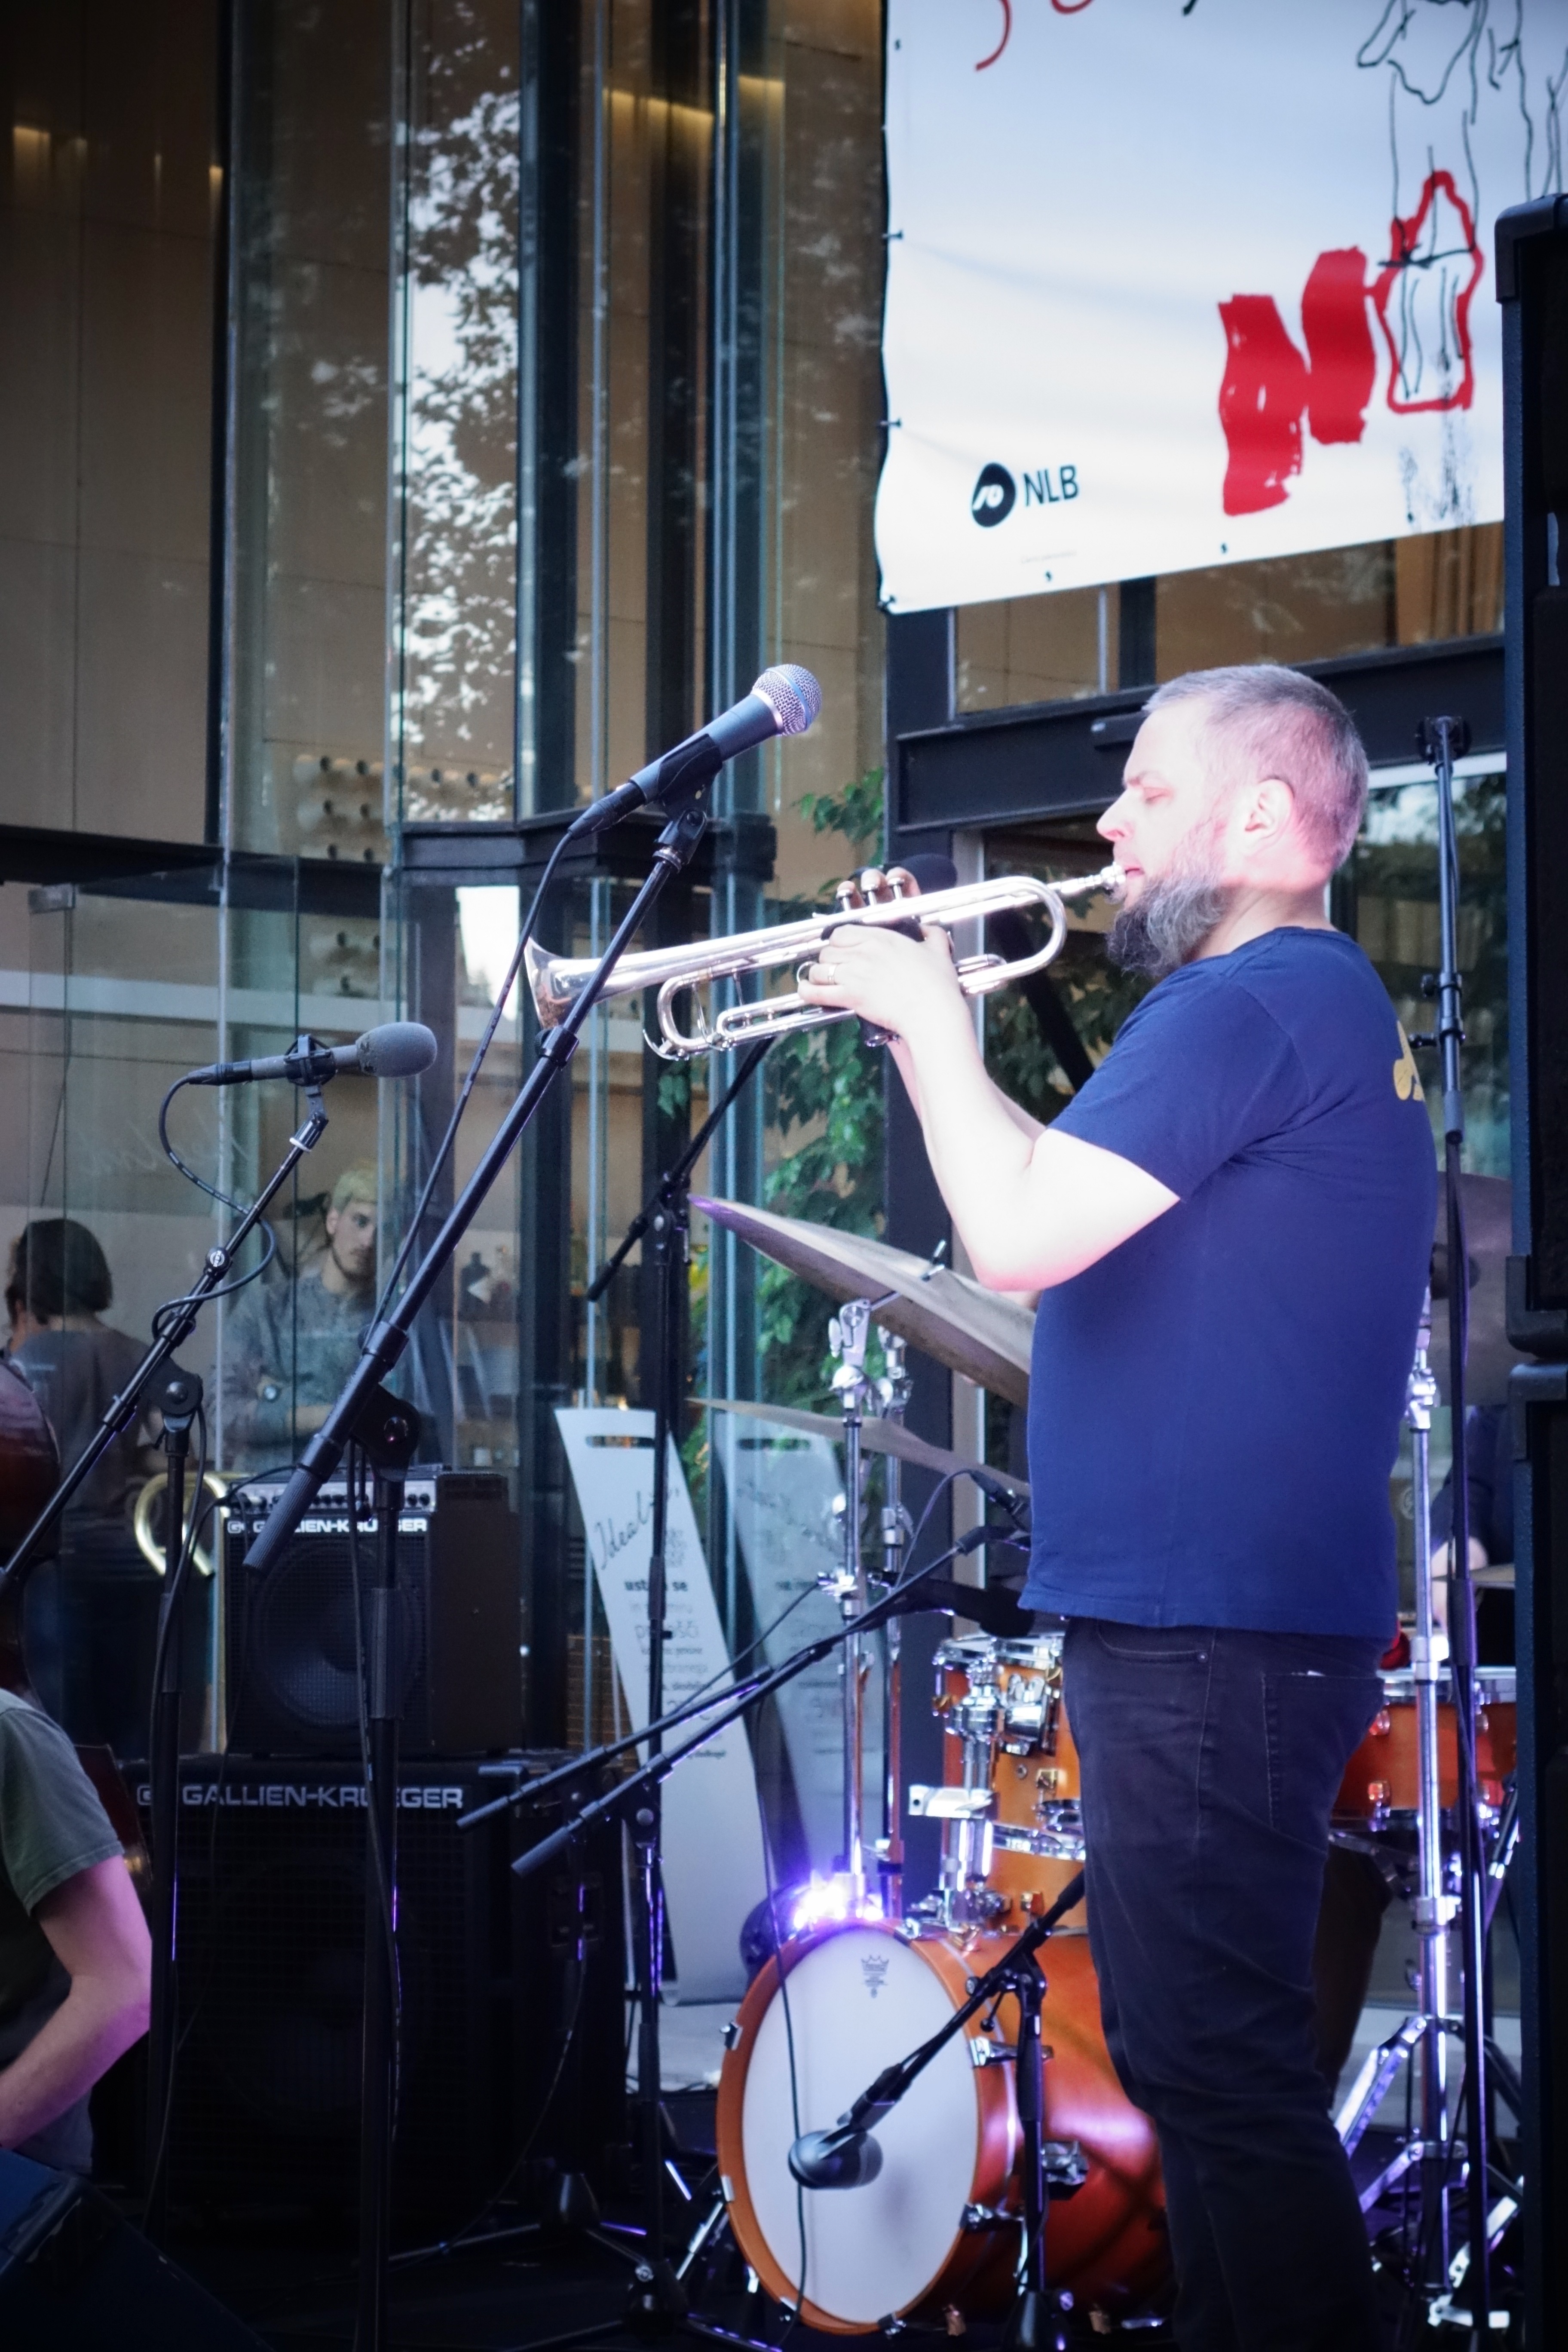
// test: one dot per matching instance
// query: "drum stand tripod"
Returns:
(1422, 2035)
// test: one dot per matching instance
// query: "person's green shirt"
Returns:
(52, 1827)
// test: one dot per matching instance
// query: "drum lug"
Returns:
(988, 2217)
(984, 2052)
(1066, 2166)
(735, 2034)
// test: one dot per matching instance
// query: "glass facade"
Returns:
(521, 366)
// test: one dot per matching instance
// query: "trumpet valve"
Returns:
(847, 895)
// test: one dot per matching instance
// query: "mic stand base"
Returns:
(1035, 2323)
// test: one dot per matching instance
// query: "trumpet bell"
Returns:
(151, 1510)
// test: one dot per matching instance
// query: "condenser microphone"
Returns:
(398, 1049)
(784, 701)
(835, 2159)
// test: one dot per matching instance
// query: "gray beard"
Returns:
(1170, 922)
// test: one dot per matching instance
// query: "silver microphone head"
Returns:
(792, 693)
(398, 1049)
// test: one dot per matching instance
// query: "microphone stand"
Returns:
(179, 1399)
(657, 2297)
(123, 1410)
(367, 1414)
(1442, 740)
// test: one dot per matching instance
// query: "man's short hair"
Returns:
(1272, 721)
(357, 1182)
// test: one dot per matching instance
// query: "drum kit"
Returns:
(937, 2232)
(937, 2229)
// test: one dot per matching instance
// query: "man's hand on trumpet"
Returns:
(1032, 1208)
(898, 984)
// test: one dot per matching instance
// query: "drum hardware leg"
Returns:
(895, 1388)
(847, 1335)
(1037, 2322)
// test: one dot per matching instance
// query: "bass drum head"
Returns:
(853, 2000)
(859, 1998)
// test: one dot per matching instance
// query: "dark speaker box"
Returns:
(289, 1649)
(1532, 286)
(493, 1971)
(74, 2277)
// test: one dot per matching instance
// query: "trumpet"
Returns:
(870, 896)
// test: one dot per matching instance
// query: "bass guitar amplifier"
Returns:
(292, 1651)
(512, 2030)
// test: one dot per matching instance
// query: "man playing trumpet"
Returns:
(1229, 1227)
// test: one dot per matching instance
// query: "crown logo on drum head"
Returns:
(873, 1969)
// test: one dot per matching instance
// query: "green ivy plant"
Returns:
(825, 1090)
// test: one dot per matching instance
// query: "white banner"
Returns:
(713, 1872)
(1180, 282)
(782, 1485)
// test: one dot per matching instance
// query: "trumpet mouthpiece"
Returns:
(792, 693)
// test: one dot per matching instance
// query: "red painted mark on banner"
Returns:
(1448, 271)
(1062, 8)
(1341, 355)
(1261, 399)
(1006, 36)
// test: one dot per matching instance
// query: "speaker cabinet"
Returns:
(292, 1659)
(1532, 285)
(495, 1972)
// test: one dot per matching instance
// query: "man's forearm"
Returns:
(979, 1143)
(94, 2026)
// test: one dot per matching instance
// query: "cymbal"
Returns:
(1488, 1237)
(876, 1435)
(982, 1334)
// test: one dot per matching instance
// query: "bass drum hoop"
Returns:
(968, 2253)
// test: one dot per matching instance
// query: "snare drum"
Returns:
(1009, 1803)
(937, 2226)
(1383, 1778)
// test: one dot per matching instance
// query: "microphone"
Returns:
(784, 701)
(845, 2158)
(398, 1049)
(1013, 1499)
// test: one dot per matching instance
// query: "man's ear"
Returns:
(1269, 811)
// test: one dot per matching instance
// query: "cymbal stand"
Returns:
(1422, 2037)
(847, 1336)
(893, 1390)
(662, 1226)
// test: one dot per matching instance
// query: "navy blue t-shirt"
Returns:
(1214, 1407)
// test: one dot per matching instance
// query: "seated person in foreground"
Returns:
(75, 1956)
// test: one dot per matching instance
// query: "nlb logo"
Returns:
(994, 496)
(996, 493)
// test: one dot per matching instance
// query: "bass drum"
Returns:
(937, 2226)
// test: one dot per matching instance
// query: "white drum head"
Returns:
(857, 2001)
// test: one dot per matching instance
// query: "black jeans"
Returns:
(1210, 1761)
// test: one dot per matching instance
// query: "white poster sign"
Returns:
(713, 1872)
(1182, 282)
(782, 1485)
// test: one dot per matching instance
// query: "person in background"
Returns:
(74, 1955)
(291, 1346)
(58, 1290)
